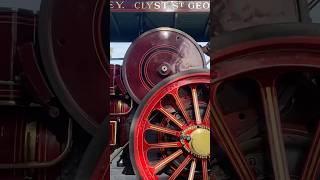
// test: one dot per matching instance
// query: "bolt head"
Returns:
(164, 68)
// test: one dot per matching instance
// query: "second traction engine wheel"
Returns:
(170, 132)
(265, 109)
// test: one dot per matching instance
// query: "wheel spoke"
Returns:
(171, 117)
(233, 151)
(163, 163)
(204, 169)
(181, 167)
(275, 137)
(180, 105)
(192, 169)
(164, 130)
(207, 115)
(165, 145)
(196, 104)
(313, 162)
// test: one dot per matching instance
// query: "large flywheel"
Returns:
(265, 109)
(157, 54)
(170, 133)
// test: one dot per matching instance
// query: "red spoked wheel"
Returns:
(170, 132)
(265, 110)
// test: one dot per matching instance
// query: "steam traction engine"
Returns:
(164, 72)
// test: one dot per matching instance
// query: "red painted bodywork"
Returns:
(120, 107)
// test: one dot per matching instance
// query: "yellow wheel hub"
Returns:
(200, 142)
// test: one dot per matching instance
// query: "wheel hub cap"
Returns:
(200, 142)
(196, 141)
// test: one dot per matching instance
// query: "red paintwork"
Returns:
(119, 112)
(116, 85)
(120, 106)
